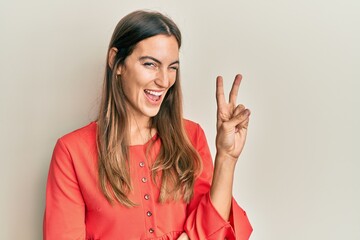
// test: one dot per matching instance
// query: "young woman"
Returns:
(141, 171)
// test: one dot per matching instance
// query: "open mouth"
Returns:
(153, 96)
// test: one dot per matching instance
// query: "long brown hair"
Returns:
(178, 163)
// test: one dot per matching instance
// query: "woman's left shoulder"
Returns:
(197, 137)
(193, 129)
(191, 126)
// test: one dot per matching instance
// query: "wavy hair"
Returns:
(178, 163)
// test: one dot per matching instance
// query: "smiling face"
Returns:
(148, 73)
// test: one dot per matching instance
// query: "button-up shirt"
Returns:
(77, 209)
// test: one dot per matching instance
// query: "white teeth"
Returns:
(154, 93)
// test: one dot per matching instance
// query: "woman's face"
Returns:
(148, 73)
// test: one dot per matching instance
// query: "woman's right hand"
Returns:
(183, 236)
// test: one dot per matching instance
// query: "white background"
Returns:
(298, 177)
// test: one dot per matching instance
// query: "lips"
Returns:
(153, 96)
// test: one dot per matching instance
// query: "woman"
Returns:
(140, 171)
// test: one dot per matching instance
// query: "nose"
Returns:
(163, 79)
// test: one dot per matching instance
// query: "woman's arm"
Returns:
(204, 221)
(64, 216)
(232, 123)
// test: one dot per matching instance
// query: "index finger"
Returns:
(220, 97)
(235, 89)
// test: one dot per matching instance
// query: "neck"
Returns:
(140, 130)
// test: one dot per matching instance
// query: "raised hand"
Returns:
(232, 121)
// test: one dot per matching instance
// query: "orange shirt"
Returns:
(77, 209)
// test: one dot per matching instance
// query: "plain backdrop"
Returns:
(298, 177)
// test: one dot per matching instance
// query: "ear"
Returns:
(112, 53)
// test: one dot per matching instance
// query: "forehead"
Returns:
(161, 47)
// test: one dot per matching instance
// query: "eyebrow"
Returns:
(156, 60)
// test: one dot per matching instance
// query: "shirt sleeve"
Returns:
(203, 221)
(64, 216)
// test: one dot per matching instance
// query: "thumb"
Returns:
(237, 120)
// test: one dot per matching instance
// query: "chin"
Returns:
(151, 113)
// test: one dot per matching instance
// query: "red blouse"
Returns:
(77, 209)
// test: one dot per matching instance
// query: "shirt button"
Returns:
(144, 179)
(148, 213)
(147, 196)
(151, 230)
(142, 164)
